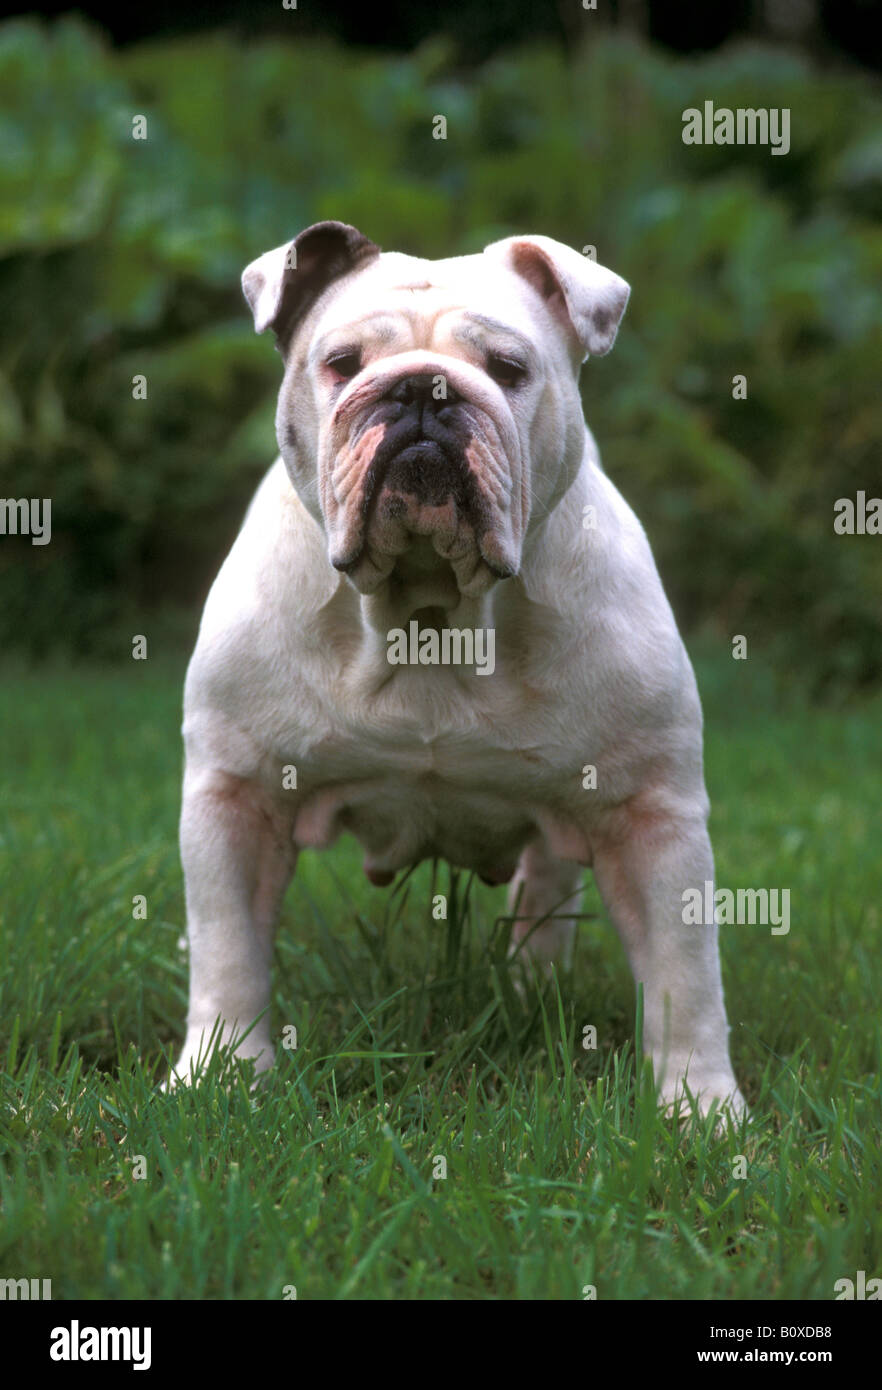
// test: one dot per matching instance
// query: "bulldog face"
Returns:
(430, 410)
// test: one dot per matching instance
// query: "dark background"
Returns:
(120, 258)
(828, 28)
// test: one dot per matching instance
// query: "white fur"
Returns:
(290, 668)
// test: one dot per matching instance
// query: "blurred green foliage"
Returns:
(120, 257)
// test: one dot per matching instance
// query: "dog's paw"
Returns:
(694, 1095)
(198, 1051)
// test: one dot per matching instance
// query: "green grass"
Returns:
(412, 1045)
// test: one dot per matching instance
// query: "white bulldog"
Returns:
(437, 482)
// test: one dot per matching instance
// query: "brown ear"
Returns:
(586, 298)
(283, 284)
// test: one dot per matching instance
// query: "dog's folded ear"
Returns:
(585, 297)
(283, 284)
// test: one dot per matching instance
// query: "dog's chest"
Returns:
(461, 783)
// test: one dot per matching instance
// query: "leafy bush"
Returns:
(120, 257)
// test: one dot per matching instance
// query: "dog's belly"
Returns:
(475, 819)
(400, 822)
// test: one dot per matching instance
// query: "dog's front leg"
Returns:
(644, 860)
(238, 856)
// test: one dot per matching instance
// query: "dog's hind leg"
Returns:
(544, 895)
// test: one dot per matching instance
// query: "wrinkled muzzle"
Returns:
(423, 446)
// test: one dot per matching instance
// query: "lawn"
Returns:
(433, 1134)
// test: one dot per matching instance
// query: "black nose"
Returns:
(426, 389)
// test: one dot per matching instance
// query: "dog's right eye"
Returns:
(345, 364)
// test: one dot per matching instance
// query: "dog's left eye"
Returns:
(345, 364)
(507, 371)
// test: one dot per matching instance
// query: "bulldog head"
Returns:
(430, 410)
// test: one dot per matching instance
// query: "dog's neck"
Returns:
(422, 586)
(430, 603)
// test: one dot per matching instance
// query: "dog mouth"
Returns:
(413, 473)
(411, 463)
